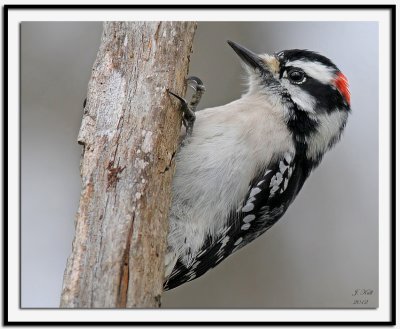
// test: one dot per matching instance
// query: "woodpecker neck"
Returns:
(314, 134)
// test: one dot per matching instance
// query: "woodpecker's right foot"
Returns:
(189, 116)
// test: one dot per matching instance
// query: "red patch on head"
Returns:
(342, 85)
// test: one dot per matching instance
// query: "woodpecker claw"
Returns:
(182, 100)
(189, 109)
(188, 115)
(196, 84)
(195, 79)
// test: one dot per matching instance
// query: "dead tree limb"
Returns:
(129, 134)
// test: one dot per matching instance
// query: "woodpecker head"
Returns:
(308, 88)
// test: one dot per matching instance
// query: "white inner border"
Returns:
(380, 314)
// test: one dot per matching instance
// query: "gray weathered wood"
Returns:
(129, 134)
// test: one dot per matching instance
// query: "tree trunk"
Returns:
(129, 134)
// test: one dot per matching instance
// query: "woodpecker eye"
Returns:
(296, 76)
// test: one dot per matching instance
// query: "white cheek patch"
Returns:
(328, 129)
(316, 70)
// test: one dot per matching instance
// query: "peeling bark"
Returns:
(129, 134)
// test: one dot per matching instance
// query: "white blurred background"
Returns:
(324, 247)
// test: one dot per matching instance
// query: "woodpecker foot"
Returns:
(197, 85)
(189, 116)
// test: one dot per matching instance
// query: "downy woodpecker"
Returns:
(242, 164)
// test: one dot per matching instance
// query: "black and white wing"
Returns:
(268, 197)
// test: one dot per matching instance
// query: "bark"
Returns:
(129, 134)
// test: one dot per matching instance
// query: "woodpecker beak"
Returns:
(250, 58)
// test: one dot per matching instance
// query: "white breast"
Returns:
(213, 171)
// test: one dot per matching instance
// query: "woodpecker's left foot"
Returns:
(197, 85)
(189, 116)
